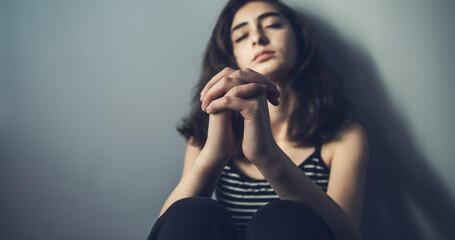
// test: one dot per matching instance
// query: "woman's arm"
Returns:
(202, 169)
(341, 207)
(348, 170)
(201, 172)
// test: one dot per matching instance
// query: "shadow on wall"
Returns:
(402, 190)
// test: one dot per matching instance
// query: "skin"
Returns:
(259, 93)
(271, 32)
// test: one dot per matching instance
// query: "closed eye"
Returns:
(275, 25)
(241, 38)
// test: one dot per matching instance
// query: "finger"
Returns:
(248, 109)
(221, 87)
(227, 103)
(248, 75)
(274, 101)
(273, 98)
(245, 91)
(250, 90)
(225, 72)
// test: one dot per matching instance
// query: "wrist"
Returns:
(210, 159)
(269, 157)
(273, 164)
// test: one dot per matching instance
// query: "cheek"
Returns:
(241, 58)
(290, 48)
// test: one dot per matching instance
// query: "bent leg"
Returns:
(286, 219)
(194, 218)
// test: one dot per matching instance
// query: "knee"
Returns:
(195, 207)
(193, 218)
(287, 217)
(190, 211)
(286, 208)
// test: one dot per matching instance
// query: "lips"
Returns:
(263, 55)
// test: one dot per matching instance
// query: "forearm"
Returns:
(200, 180)
(291, 183)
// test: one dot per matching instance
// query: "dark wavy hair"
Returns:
(320, 110)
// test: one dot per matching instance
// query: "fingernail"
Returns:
(275, 92)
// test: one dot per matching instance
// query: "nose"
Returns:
(258, 37)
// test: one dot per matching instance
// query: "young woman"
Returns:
(270, 134)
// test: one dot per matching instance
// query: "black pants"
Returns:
(205, 218)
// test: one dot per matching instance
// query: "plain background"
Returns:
(91, 92)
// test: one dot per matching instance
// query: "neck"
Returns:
(279, 115)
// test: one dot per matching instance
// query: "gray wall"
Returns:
(91, 92)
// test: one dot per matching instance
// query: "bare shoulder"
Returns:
(351, 138)
(351, 135)
(348, 169)
(352, 132)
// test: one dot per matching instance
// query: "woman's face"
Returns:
(263, 40)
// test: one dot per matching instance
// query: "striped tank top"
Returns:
(242, 196)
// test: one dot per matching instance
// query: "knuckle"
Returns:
(225, 81)
(258, 87)
(235, 91)
(227, 69)
(236, 74)
(227, 100)
(237, 81)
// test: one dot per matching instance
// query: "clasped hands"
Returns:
(245, 92)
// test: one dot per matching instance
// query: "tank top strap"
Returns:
(229, 164)
(317, 150)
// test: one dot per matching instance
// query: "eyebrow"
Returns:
(260, 17)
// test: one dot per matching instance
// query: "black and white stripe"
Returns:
(242, 196)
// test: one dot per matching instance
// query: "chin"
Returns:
(272, 72)
(265, 68)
